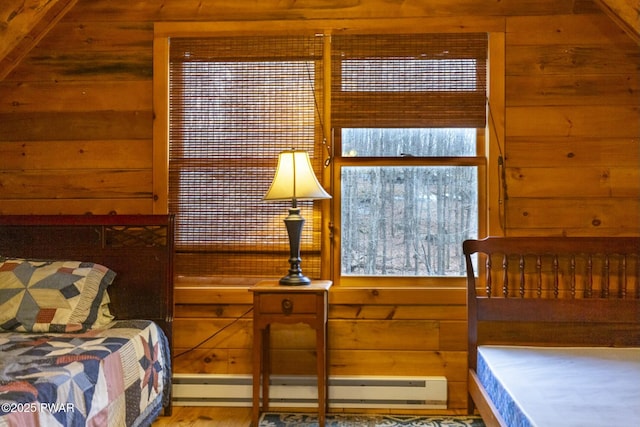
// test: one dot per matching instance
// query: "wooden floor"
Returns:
(201, 416)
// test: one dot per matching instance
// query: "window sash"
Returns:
(450, 95)
(236, 102)
(417, 81)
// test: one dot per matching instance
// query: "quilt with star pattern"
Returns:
(118, 375)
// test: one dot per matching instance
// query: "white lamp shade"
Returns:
(295, 179)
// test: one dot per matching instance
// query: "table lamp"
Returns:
(295, 180)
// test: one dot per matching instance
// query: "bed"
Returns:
(554, 330)
(86, 309)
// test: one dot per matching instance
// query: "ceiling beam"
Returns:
(23, 23)
(626, 13)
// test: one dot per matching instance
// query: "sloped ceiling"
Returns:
(23, 23)
(626, 13)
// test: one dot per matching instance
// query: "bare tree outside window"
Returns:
(407, 221)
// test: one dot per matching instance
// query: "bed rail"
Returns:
(552, 291)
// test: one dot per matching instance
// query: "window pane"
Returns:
(229, 118)
(409, 75)
(408, 142)
(235, 103)
(409, 80)
(407, 221)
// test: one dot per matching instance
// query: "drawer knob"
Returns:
(287, 306)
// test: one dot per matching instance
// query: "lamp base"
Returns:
(294, 223)
(295, 280)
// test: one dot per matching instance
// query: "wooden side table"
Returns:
(274, 303)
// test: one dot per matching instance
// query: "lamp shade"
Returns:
(295, 179)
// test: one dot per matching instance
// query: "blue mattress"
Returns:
(546, 386)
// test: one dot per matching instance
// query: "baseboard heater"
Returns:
(301, 391)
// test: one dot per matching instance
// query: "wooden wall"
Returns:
(572, 127)
(76, 123)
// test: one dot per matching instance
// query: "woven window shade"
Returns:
(414, 80)
(235, 103)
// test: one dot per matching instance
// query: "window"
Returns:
(406, 111)
(407, 220)
(407, 120)
(235, 103)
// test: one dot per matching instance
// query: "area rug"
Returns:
(348, 420)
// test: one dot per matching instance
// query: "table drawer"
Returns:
(288, 304)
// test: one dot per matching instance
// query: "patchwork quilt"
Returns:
(119, 375)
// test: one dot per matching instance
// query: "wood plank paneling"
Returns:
(626, 13)
(76, 123)
(48, 206)
(575, 89)
(69, 126)
(211, 10)
(204, 310)
(76, 183)
(398, 312)
(564, 30)
(567, 58)
(341, 362)
(573, 152)
(76, 154)
(600, 121)
(399, 335)
(85, 66)
(367, 362)
(409, 296)
(23, 25)
(212, 361)
(197, 331)
(453, 335)
(572, 126)
(574, 216)
(98, 36)
(75, 96)
(572, 182)
(393, 326)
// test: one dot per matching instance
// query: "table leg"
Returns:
(321, 345)
(266, 366)
(257, 369)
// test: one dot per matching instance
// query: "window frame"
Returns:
(236, 102)
(478, 161)
(490, 201)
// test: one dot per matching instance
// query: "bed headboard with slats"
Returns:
(553, 291)
(139, 248)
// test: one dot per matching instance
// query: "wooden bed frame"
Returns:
(554, 291)
(139, 248)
